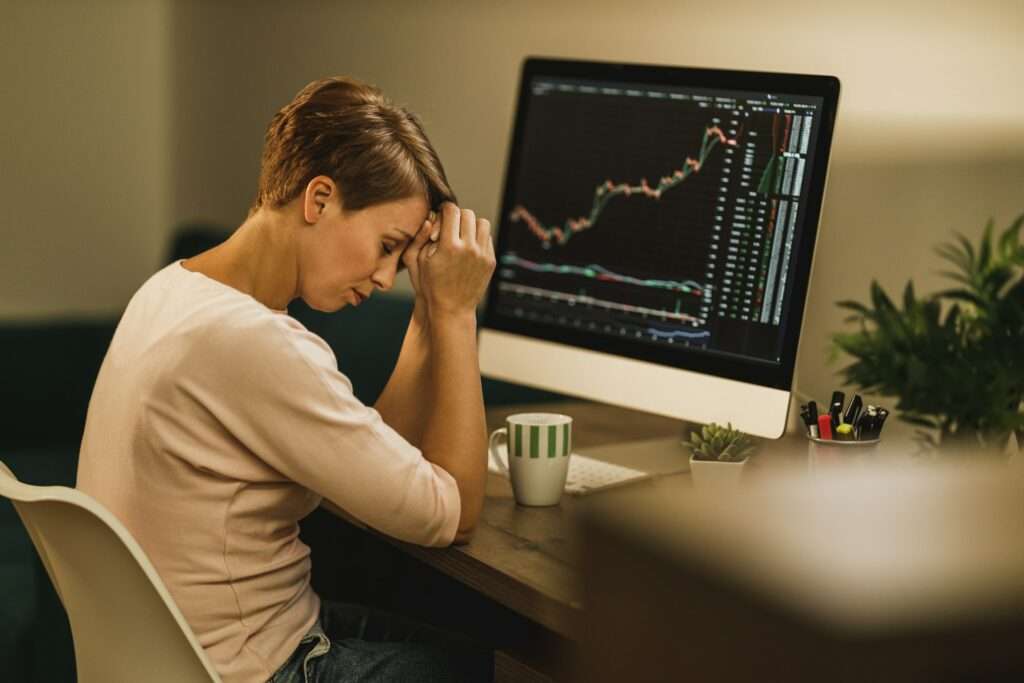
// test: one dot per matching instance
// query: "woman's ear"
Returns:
(320, 191)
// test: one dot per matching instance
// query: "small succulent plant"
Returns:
(715, 442)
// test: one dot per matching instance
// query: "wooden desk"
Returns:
(529, 559)
(526, 558)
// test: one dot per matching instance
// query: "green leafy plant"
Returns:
(955, 359)
(715, 442)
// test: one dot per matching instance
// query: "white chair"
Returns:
(123, 621)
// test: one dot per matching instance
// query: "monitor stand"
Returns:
(664, 455)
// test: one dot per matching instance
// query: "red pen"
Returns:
(825, 427)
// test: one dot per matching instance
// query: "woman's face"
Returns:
(350, 254)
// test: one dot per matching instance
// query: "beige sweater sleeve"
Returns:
(277, 389)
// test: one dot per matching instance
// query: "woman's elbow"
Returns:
(471, 505)
(463, 535)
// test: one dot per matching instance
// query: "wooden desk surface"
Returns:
(531, 560)
(528, 558)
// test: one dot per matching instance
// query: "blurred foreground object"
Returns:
(887, 574)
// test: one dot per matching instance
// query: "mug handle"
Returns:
(493, 450)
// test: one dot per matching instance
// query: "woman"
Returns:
(218, 422)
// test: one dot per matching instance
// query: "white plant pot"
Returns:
(715, 472)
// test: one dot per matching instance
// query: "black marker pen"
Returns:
(805, 416)
(861, 429)
(870, 423)
(882, 414)
(853, 412)
(835, 410)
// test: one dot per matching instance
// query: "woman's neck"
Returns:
(260, 259)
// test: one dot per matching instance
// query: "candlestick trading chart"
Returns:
(658, 214)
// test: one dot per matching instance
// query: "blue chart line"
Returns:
(678, 333)
(597, 272)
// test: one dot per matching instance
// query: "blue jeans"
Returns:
(356, 644)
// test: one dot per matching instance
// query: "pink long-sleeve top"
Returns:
(215, 425)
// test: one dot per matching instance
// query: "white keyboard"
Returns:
(587, 475)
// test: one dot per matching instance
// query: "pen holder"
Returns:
(832, 454)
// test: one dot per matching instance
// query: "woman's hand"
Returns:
(451, 273)
(410, 258)
(411, 261)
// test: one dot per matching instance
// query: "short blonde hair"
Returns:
(375, 151)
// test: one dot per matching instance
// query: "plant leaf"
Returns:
(958, 257)
(1009, 241)
(985, 250)
(963, 295)
(956, 277)
(968, 249)
(909, 300)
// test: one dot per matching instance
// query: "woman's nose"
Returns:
(384, 278)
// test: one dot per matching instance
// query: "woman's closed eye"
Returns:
(387, 248)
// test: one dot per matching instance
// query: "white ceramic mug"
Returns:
(539, 446)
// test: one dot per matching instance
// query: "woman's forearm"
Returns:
(455, 437)
(434, 399)
(401, 403)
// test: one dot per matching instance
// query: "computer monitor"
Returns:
(656, 237)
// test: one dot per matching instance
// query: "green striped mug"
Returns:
(539, 445)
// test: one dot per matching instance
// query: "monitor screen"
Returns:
(664, 214)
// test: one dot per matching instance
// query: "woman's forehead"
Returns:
(404, 215)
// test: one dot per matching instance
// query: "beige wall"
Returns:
(929, 138)
(83, 154)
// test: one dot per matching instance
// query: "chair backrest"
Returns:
(124, 623)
